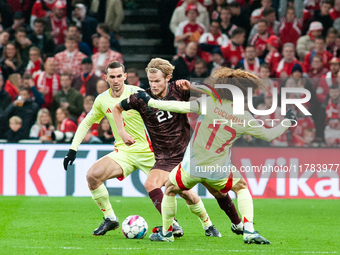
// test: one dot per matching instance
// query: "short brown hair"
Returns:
(113, 65)
(133, 70)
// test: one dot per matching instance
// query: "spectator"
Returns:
(272, 23)
(306, 42)
(178, 15)
(200, 69)
(48, 82)
(285, 66)
(273, 56)
(217, 61)
(332, 34)
(74, 31)
(239, 17)
(11, 61)
(68, 99)
(335, 11)
(105, 132)
(185, 64)
(22, 44)
(110, 13)
(18, 22)
(57, 22)
(14, 134)
(42, 40)
(323, 16)
(63, 123)
(70, 59)
(101, 87)
(85, 83)
(209, 41)
(226, 26)
(333, 96)
(234, 50)
(132, 78)
(25, 108)
(5, 97)
(41, 9)
(332, 130)
(260, 38)
(290, 27)
(88, 104)
(250, 63)
(257, 14)
(320, 50)
(215, 9)
(180, 50)
(95, 42)
(189, 30)
(13, 84)
(36, 96)
(104, 56)
(88, 24)
(269, 84)
(43, 127)
(104, 30)
(35, 62)
(330, 77)
(317, 71)
(4, 38)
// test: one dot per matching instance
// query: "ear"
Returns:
(168, 77)
(125, 76)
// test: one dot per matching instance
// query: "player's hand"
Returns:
(291, 116)
(183, 84)
(69, 158)
(127, 139)
(143, 95)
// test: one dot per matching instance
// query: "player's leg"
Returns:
(228, 206)
(196, 206)
(157, 179)
(245, 206)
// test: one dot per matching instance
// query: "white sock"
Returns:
(175, 223)
(240, 225)
(248, 226)
(112, 217)
(206, 227)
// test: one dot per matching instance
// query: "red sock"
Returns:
(227, 205)
(156, 196)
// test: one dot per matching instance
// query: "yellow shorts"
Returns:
(130, 162)
(185, 181)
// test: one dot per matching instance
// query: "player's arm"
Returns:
(269, 134)
(193, 87)
(118, 118)
(92, 117)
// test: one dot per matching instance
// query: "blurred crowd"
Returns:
(54, 54)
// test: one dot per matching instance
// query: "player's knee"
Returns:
(241, 184)
(92, 177)
(150, 185)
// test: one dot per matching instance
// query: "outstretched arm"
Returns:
(117, 116)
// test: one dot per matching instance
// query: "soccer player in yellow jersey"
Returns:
(210, 146)
(124, 159)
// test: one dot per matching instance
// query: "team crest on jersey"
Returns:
(130, 112)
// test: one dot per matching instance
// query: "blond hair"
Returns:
(14, 79)
(15, 120)
(239, 78)
(158, 64)
(41, 112)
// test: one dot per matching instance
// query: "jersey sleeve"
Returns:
(175, 106)
(267, 134)
(184, 94)
(94, 116)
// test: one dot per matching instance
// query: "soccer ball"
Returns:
(134, 227)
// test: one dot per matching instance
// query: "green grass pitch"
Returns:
(64, 225)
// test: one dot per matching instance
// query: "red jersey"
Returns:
(334, 14)
(82, 116)
(233, 52)
(67, 125)
(290, 31)
(208, 38)
(260, 41)
(326, 57)
(38, 11)
(196, 29)
(33, 67)
(61, 27)
(49, 84)
(273, 58)
(284, 67)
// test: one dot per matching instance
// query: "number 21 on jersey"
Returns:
(161, 116)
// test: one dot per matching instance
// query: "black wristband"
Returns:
(125, 105)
